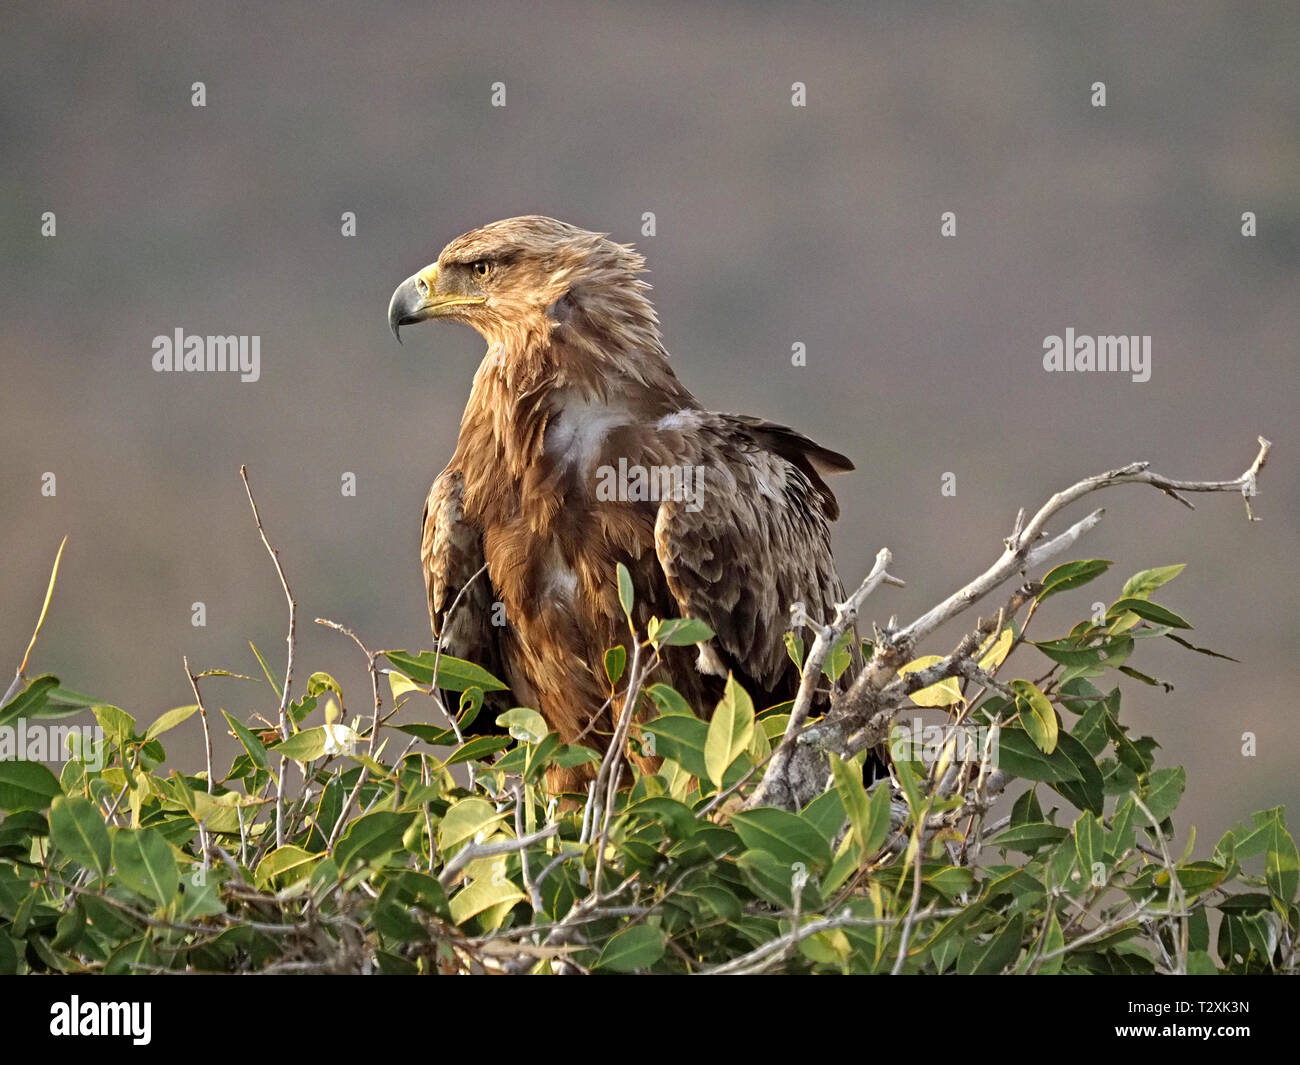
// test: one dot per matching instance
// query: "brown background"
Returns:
(775, 224)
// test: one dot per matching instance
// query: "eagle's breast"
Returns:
(578, 434)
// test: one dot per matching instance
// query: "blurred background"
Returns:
(775, 225)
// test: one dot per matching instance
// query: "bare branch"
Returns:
(437, 652)
(473, 851)
(846, 614)
(20, 678)
(1023, 550)
(763, 957)
(288, 669)
(203, 714)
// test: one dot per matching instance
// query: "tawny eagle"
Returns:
(579, 449)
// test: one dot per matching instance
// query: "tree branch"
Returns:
(863, 715)
(288, 669)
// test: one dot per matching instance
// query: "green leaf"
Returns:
(1026, 808)
(794, 648)
(1079, 696)
(1072, 575)
(145, 864)
(1195, 877)
(1036, 715)
(785, 836)
(909, 774)
(573, 754)
(1236, 941)
(371, 836)
(117, 724)
(300, 710)
(525, 725)
(837, 661)
(454, 674)
(632, 949)
(625, 593)
(305, 746)
(197, 900)
(1069, 769)
(848, 782)
(1029, 837)
(470, 703)
(730, 730)
(994, 954)
(1054, 941)
(681, 739)
(681, 632)
(250, 743)
(1282, 868)
(1087, 788)
(826, 814)
(400, 684)
(1247, 902)
(1148, 611)
(615, 663)
(1089, 842)
(1162, 793)
(1090, 730)
(668, 700)
(26, 786)
(431, 734)
(950, 880)
(676, 818)
(721, 901)
(270, 679)
(169, 720)
(466, 819)
(1252, 842)
(478, 748)
(8, 956)
(320, 683)
(77, 829)
(31, 700)
(1068, 653)
(282, 860)
(1198, 929)
(1143, 583)
(484, 893)
(773, 879)
(70, 929)
(1123, 833)
(878, 827)
(1021, 757)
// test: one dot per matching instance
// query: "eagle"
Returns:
(580, 449)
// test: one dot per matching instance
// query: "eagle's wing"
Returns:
(452, 555)
(755, 540)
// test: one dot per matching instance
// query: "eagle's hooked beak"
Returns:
(417, 298)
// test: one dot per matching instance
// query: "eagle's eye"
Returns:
(482, 268)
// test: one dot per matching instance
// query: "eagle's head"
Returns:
(519, 280)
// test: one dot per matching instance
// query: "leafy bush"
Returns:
(410, 848)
